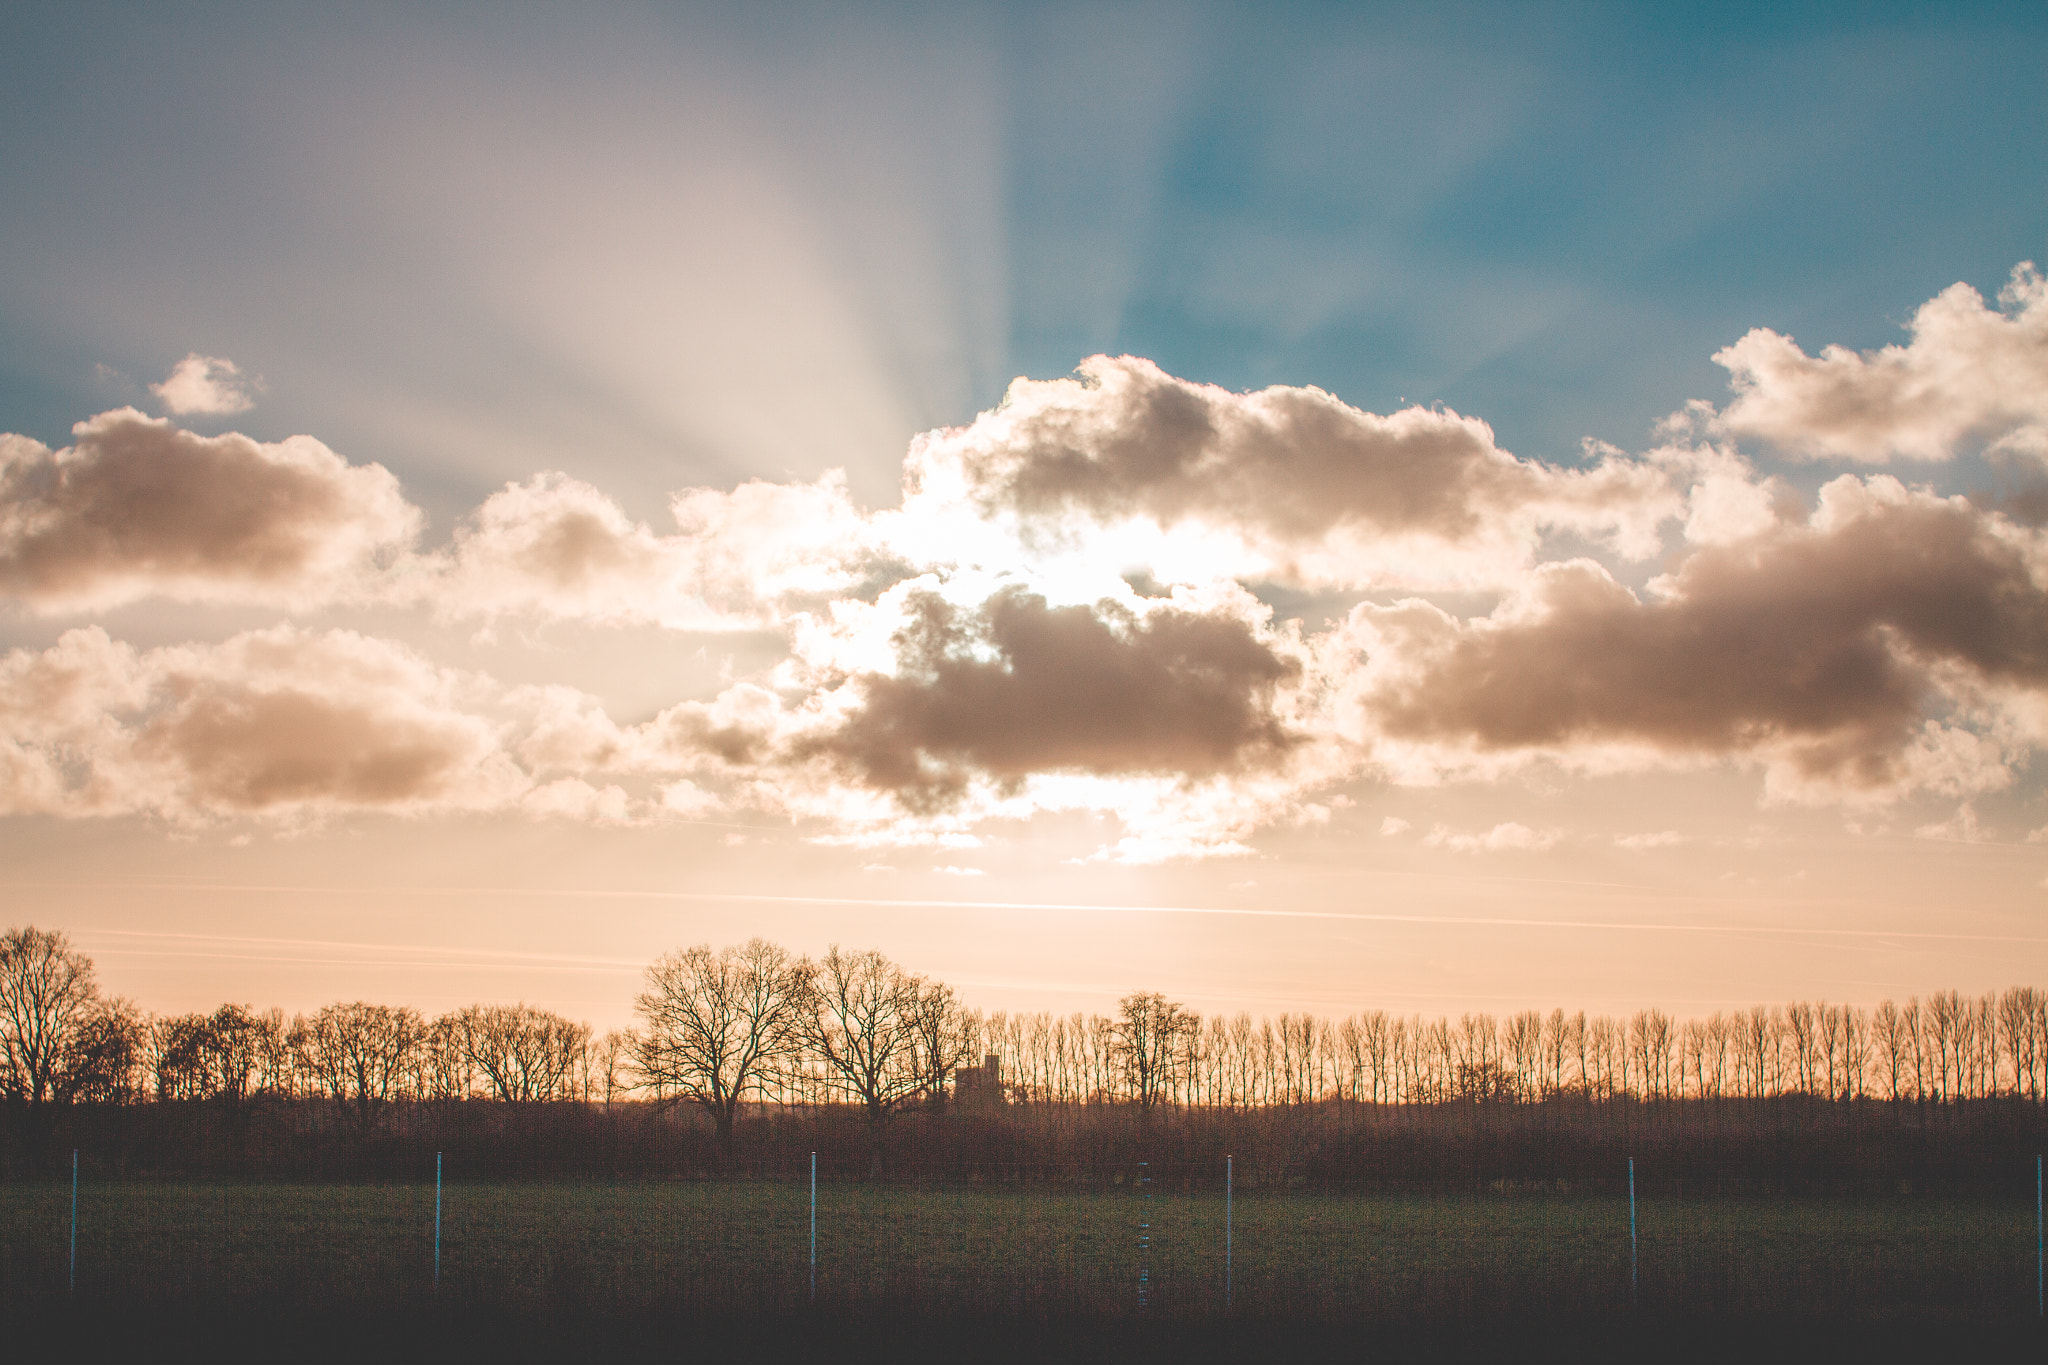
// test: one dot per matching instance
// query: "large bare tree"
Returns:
(862, 1025)
(47, 993)
(716, 1023)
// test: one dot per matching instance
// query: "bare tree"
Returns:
(1649, 1041)
(234, 1051)
(1855, 1051)
(1888, 1032)
(716, 1022)
(1605, 1040)
(47, 993)
(1145, 1037)
(1803, 1031)
(1299, 1044)
(1763, 1035)
(362, 1053)
(942, 1036)
(862, 1025)
(277, 1069)
(526, 1055)
(1720, 1032)
(1524, 1047)
(610, 1057)
(103, 1057)
(178, 1064)
(1944, 1023)
(442, 1069)
(1913, 1021)
(2019, 1010)
(1983, 1012)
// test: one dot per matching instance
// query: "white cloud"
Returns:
(556, 547)
(207, 384)
(1960, 828)
(1510, 836)
(1969, 371)
(1394, 824)
(1639, 843)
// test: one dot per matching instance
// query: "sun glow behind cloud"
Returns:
(1063, 615)
(542, 503)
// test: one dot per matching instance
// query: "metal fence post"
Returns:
(437, 1222)
(814, 1227)
(74, 1220)
(1229, 1200)
(1145, 1237)
(1632, 1231)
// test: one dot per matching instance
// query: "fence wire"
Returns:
(1096, 1240)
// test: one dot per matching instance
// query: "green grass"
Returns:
(640, 1247)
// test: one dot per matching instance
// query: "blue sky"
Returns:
(1546, 216)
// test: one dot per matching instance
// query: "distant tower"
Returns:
(977, 1089)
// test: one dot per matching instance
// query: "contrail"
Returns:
(436, 964)
(1347, 916)
(508, 960)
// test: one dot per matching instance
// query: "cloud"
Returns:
(281, 725)
(1969, 371)
(1510, 836)
(1639, 843)
(554, 546)
(1960, 828)
(943, 705)
(206, 384)
(1285, 484)
(1060, 619)
(1820, 648)
(137, 508)
(1015, 687)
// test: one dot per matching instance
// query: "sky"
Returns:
(1296, 507)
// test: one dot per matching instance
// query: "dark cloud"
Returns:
(1829, 642)
(1018, 687)
(138, 508)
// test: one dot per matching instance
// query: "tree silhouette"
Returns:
(47, 993)
(362, 1054)
(1146, 1033)
(716, 1022)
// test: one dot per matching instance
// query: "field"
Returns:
(638, 1248)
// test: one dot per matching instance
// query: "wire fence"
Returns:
(1125, 1239)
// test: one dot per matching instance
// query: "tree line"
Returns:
(754, 1024)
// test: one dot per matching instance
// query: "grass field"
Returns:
(650, 1247)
